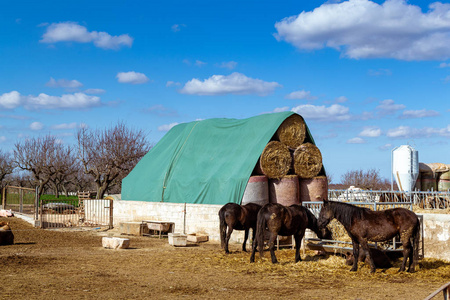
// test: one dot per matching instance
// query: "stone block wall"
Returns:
(202, 218)
(437, 236)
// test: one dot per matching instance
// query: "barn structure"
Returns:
(195, 169)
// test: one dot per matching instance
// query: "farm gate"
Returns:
(84, 211)
(341, 243)
(20, 199)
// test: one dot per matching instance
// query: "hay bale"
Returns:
(313, 189)
(275, 160)
(284, 191)
(292, 131)
(307, 161)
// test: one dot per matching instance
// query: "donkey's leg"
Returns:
(245, 240)
(365, 248)
(298, 241)
(227, 239)
(355, 255)
(273, 237)
(407, 252)
(254, 245)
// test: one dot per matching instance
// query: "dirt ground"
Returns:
(69, 264)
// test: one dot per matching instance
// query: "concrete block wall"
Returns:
(436, 236)
(198, 218)
(202, 218)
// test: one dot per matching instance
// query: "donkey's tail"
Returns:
(416, 244)
(260, 230)
(223, 228)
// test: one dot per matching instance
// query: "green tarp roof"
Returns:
(203, 162)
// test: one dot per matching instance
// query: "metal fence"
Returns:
(341, 242)
(19, 199)
(424, 200)
(78, 212)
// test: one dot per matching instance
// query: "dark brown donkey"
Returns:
(239, 217)
(284, 221)
(364, 225)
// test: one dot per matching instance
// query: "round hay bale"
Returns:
(275, 160)
(307, 161)
(285, 191)
(313, 189)
(292, 131)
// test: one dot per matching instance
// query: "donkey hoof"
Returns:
(353, 269)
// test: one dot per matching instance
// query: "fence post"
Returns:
(111, 215)
(4, 198)
(20, 200)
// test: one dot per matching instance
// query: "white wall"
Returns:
(203, 218)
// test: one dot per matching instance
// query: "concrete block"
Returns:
(197, 237)
(177, 239)
(115, 243)
(133, 228)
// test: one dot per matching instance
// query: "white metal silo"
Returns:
(405, 167)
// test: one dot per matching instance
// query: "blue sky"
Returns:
(367, 76)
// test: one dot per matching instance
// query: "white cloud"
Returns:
(63, 83)
(167, 127)
(67, 101)
(334, 112)
(2, 139)
(131, 77)
(73, 32)
(10, 100)
(380, 72)
(388, 107)
(444, 65)
(162, 111)
(228, 65)
(235, 83)
(365, 29)
(95, 91)
(177, 27)
(281, 109)
(36, 126)
(199, 63)
(385, 147)
(370, 132)
(301, 95)
(408, 132)
(172, 83)
(43, 101)
(65, 126)
(341, 99)
(423, 113)
(356, 140)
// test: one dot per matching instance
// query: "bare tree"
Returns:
(109, 155)
(6, 166)
(369, 179)
(65, 166)
(37, 155)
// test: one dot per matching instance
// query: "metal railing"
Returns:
(445, 289)
(72, 213)
(422, 199)
(340, 236)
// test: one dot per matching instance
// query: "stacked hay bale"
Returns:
(293, 165)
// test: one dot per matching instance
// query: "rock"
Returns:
(115, 243)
